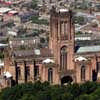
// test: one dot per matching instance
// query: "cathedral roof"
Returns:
(43, 52)
(88, 49)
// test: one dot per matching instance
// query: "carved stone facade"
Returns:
(62, 41)
(61, 62)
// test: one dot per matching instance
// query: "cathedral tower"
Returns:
(62, 39)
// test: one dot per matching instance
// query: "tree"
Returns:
(67, 96)
(74, 89)
(28, 97)
(45, 91)
(34, 4)
(79, 20)
(84, 97)
(88, 87)
(42, 40)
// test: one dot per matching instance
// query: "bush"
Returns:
(84, 97)
(67, 96)
(45, 91)
(88, 87)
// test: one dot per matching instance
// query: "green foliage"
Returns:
(10, 24)
(88, 87)
(42, 40)
(78, 33)
(83, 6)
(28, 97)
(36, 20)
(84, 97)
(45, 91)
(34, 4)
(79, 20)
(74, 89)
(35, 32)
(68, 96)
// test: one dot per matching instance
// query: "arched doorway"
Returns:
(66, 79)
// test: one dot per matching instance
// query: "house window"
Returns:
(63, 58)
(50, 75)
(83, 73)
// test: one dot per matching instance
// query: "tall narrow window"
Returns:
(28, 72)
(66, 31)
(19, 72)
(56, 25)
(36, 72)
(94, 75)
(64, 34)
(98, 66)
(50, 75)
(63, 58)
(83, 73)
(0, 71)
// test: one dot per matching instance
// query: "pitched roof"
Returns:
(43, 52)
(88, 49)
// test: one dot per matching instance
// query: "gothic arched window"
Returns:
(19, 72)
(28, 71)
(63, 58)
(83, 73)
(98, 66)
(50, 75)
(36, 72)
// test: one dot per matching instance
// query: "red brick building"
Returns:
(61, 62)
